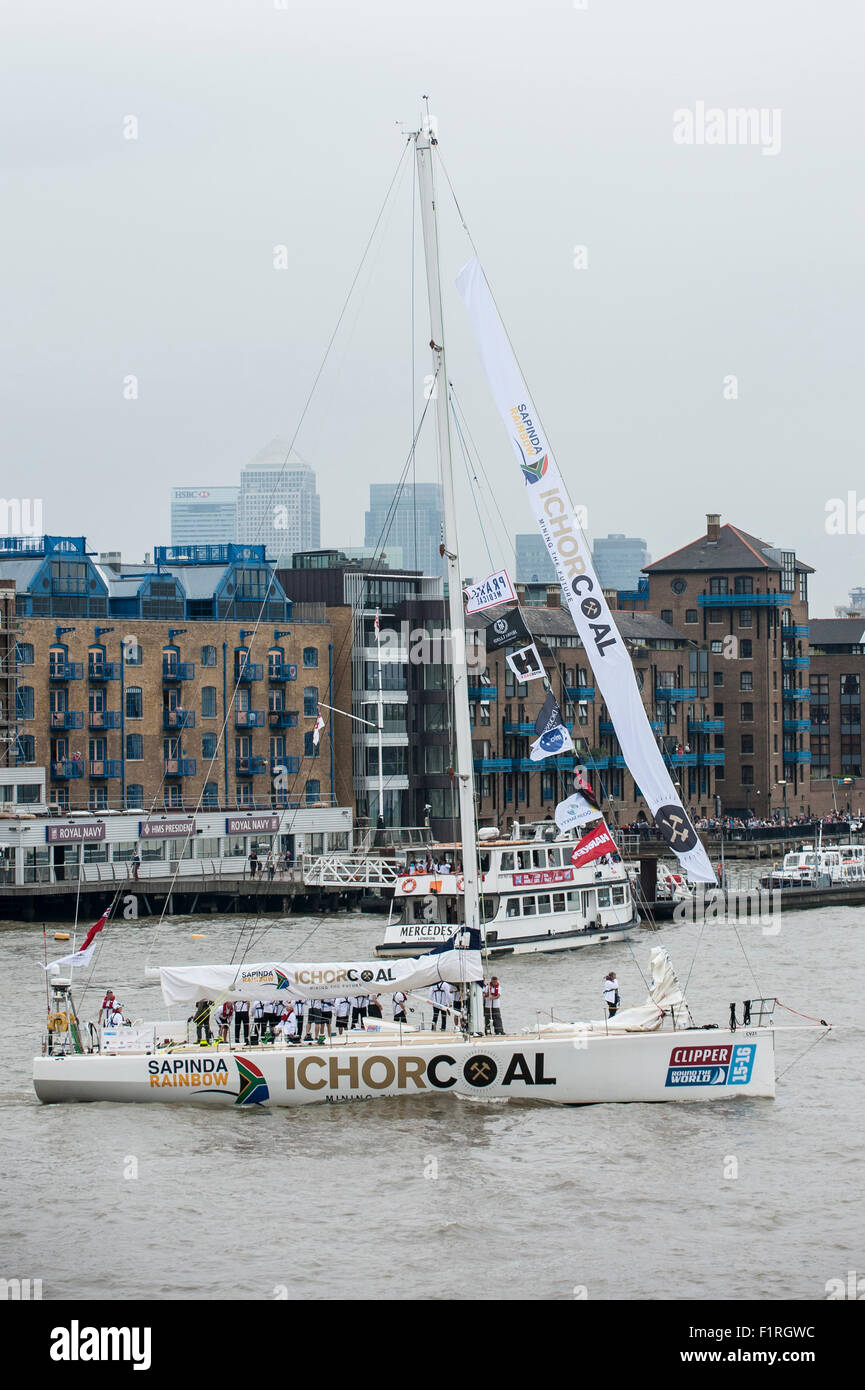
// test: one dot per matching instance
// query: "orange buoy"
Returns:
(197, 936)
(61, 936)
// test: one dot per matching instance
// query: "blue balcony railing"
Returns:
(106, 767)
(248, 671)
(709, 757)
(173, 671)
(178, 719)
(677, 693)
(705, 726)
(682, 759)
(795, 663)
(249, 719)
(743, 600)
(796, 726)
(795, 692)
(483, 692)
(180, 767)
(291, 765)
(794, 630)
(800, 756)
(99, 671)
(579, 692)
(279, 674)
(67, 767)
(66, 671)
(104, 719)
(66, 719)
(282, 718)
(250, 767)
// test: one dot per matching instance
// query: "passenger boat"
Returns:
(532, 899)
(812, 867)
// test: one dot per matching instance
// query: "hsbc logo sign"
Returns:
(183, 494)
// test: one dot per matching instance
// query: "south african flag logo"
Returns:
(253, 1087)
(533, 472)
(282, 981)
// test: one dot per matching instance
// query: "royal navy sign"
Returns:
(247, 825)
(75, 834)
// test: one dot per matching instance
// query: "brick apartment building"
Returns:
(193, 677)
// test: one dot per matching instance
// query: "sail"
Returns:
(186, 984)
(554, 513)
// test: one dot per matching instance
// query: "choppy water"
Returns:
(440, 1198)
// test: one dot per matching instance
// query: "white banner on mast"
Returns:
(555, 515)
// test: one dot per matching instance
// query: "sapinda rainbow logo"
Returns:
(253, 1087)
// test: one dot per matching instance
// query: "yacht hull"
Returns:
(687, 1065)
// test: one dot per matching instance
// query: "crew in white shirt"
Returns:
(400, 1001)
(441, 998)
(611, 993)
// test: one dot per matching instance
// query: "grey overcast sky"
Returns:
(263, 124)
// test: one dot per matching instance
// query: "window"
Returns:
(24, 701)
(134, 797)
(746, 617)
(717, 648)
(746, 680)
(747, 743)
(719, 584)
(717, 677)
(718, 709)
(208, 656)
(134, 748)
(211, 795)
(311, 749)
(667, 616)
(26, 748)
(746, 713)
(312, 792)
(132, 651)
(747, 775)
(208, 701)
(716, 615)
(310, 656)
(310, 700)
(746, 648)
(98, 802)
(850, 685)
(743, 584)
(24, 653)
(691, 615)
(208, 745)
(134, 702)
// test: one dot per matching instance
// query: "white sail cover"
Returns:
(555, 515)
(665, 994)
(186, 984)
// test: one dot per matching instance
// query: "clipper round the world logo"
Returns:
(480, 1070)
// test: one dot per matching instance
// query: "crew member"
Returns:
(223, 1019)
(611, 993)
(400, 1001)
(492, 1006)
(201, 1019)
(441, 998)
(241, 1019)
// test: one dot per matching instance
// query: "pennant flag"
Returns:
(585, 788)
(88, 946)
(507, 631)
(556, 516)
(554, 741)
(550, 716)
(592, 846)
(489, 593)
(316, 733)
(526, 663)
(576, 810)
(375, 625)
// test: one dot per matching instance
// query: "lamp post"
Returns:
(783, 783)
(847, 783)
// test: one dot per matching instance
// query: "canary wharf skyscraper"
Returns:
(410, 519)
(278, 504)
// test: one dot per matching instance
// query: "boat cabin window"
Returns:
(513, 907)
(554, 858)
(543, 903)
(529, 907)
(603, 897)
(618, 896)
(573, 901)
(507, 864)
(558, 902)
(484, 862)
(524, 859)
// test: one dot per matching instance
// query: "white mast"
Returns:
(380, 724)
(424, 142)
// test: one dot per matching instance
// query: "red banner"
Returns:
(592, 846)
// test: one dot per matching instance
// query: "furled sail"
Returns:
(186, 984)
(554, 513)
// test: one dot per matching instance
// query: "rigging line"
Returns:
(413, 362)
(798, 1059)
(744, 952)
(509, 546)
(472, 491)
(474, 481)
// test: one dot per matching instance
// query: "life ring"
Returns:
(58, 1023)
(408, 885)
(461, 883)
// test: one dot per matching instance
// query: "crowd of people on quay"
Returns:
(736, 824)
(296, 1021)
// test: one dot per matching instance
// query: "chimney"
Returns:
(713, 526)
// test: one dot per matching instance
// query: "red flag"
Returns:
(85, 951)
(97, 927)
(592, 846)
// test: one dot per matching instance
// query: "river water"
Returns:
(434, 1197)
